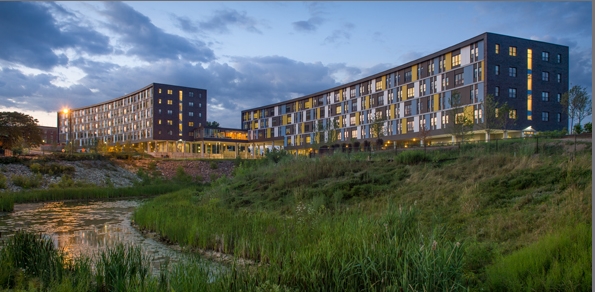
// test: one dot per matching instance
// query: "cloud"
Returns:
(185, 24)
(311, 25)
(338, 35)
(148, 42)
(222, 19)
(30, 35)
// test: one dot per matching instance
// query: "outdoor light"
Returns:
(65, 111)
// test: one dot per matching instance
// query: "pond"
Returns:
(84, 228)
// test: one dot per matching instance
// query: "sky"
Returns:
(56, 55)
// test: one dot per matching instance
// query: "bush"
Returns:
(26, 182)
(51, 169)
(214, 165)
(412, 157)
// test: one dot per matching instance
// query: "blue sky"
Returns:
(247, 54)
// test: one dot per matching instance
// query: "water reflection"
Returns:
(84, 228)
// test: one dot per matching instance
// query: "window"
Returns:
(456, 60)
(191, 114)
(512, 114)
(169, 112)
(159, 100)
(497, 69)
(169, 91)
(512, 51)
(545, 116)
(160, 111)
(512, 72)
(159, 90)
(190, 124)
(159, 122)
(190, 94)
(545, 76)
(459, 79)
(559, 58)
(497, 49)
(559, 77)
(512, 92)
(497, 91)
(559, 117)
(545, 56)
(191, 104)
(558, 97)
(200, 115)
(170, 102)
(199, 104)
(545, 96)
(170, 122)
(410, 92)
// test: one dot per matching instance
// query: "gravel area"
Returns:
(99, 173)
(206, 170)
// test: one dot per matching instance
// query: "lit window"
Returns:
(497, 70)
(497, 49)
(545, 76)
(545, 56)
(169, 101)
(512, 114)
(512, 51)
(169, 91)
(170, 122)
(512, 72)
(159, 90)
(190, 124)
(159, 100)
(545, 116)
(159, 122)
(512, 92)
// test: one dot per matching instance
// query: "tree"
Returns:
(588, 127)
(491, 121)
(577, 104)
(462, 124)
(19, 130)
(377, 125)
(506, 117)
(212, 124)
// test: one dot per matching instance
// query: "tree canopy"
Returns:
(19, 130)
(577, 103)
(212, 124)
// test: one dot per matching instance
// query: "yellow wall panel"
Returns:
(318, 112)
(404, 92)
(269, 133)
(340, 122)
(392, 111)
(357, 118)
(367, 102)
(436, 102)
(414, 73)
(483, 69)
(448, 61)
(303, 127)
(383, 82)
(404, 126)
(469, 112)
(340, 94)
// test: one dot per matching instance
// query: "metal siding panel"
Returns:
(415, 89)
(359, 132)
(436, 64)
(384, 82)
(447, 100)
(401, 109)
(392, 111)
(404, 92)
(357, 118)
(436, 102)
(465, 57)
(428, 123)
(414, 73)
(357, 90)
(403, 126)
(480, 94)
(439, 83)
(392, 80)
(414, 107)
(480, 53)
(448, 61)
(385, 97)
(439, 120)
(394, 128)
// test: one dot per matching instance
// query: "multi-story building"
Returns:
(158, 118)
(49, 135)
(417, 98)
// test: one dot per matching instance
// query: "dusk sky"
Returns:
(247, 54)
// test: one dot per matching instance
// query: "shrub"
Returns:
(181, 176)
(214, 165)
(2, 181)
(412, 157)
(26, 182)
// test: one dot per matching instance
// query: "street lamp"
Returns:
(68, 130)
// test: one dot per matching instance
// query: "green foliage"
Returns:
(214, 165)
(577, 129)
(51, 168)
(3, 181)
(412, 157)
(26, 182)
(181, 176)
(6, 203)
(18, 130)
(553, 134)
(557, 262)
(275, 155)
(588, 127)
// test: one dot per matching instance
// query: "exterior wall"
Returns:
(416, 95)
(135, 117)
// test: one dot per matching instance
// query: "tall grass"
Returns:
(7, 200)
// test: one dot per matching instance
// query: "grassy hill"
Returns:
(515, 217)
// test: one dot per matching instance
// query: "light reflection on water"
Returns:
(84, 228)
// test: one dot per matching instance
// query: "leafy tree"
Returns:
(491, 121)
(506, 117)
(577, 104)
(588, 127)
(578, 129)
(377, 126)
(19, 130)
(461, 123)
(212, 124)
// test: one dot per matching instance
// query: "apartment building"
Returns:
(158, 118)
(406, 102)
